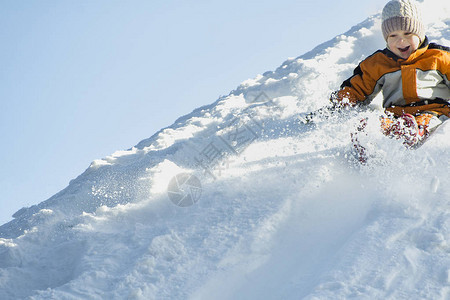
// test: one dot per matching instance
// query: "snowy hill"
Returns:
(241, 200)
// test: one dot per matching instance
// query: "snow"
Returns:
(284, 211)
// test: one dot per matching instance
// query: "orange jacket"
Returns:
(420, 83)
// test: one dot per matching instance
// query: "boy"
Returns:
(413, 75)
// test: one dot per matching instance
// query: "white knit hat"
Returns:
(402, 15)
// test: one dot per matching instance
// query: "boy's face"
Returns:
(403, 43)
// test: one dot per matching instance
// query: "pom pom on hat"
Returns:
(402, 15)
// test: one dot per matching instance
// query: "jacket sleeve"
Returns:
(445, 68)
(362, 86)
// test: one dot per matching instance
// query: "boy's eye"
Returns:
(408, 33)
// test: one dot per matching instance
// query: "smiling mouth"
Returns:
(404, 50)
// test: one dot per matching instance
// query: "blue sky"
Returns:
(82, 79)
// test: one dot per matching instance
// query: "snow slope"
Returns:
(281, 209)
